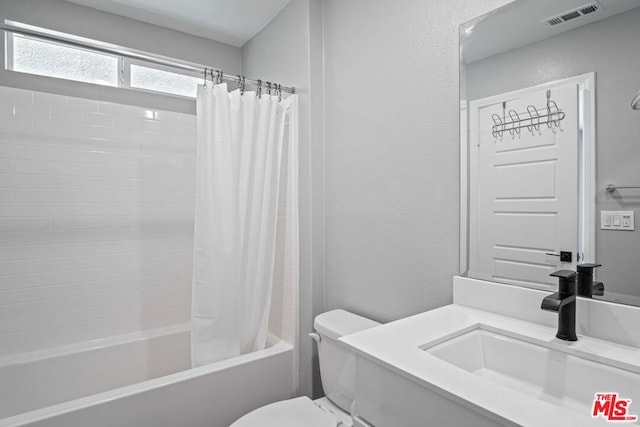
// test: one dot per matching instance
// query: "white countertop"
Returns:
(397, 346)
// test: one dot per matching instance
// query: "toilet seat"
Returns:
(297, 412)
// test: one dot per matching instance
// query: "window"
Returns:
(142, 77)
(34, 55)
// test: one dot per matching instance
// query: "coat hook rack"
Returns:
(512, 121)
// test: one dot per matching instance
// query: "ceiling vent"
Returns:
(573, 14)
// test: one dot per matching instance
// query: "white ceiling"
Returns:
(523, 22)
(228, 21)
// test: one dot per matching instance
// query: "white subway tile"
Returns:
(12, 95)
(24, 224)
(184, 128)
(155, 126)
(98, 119)
(36, 280)
(24, 252)
(16, 123)
(39, 167)
(33, 110)
(49, 99)
(87, 131)
(25, 209)
(49, 127)
(169, 116)
(14, 151)
(191, 119)
(15, 181)
(96, 248)
(97, 230)
(113, 108)
(7, 165)
(23, 195)
(88, 156)
(15, 268)
(120, 134)
(6, 109)
(20, 238)
(6, 195)
(66, 114)
(83, 104)
(6, 282)
(50, 154)
(126, 122)
(141, 136)
(87, 169)
(142, 113)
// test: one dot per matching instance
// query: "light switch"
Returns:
(617, 220)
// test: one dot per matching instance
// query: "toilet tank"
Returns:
(337, 362)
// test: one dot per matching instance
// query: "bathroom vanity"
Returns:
(492, 359)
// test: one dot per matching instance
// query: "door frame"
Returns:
(469, 112)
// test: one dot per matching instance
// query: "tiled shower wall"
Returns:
(96, 219)
(96, 222)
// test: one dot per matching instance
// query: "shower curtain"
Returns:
(244, 142)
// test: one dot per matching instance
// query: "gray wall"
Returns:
(392, 153)
(86, 22)
(610, 48)
(383, 161)
(379, 159)
(289, 51)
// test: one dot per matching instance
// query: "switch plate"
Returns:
(617, 220)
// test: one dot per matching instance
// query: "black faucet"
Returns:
(563, 302)
(586, 286)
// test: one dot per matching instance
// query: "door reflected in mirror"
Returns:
(546, 126)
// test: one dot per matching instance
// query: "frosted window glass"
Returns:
(53, 60)
(164, 81)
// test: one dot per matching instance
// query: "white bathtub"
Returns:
(140, 380)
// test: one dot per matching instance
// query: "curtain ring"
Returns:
(259, 89)
(205, 76)
(220, 77)
(240, 88)
(269, 88)
(279, 91)
(212, 78)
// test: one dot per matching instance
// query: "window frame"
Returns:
(126, 75)
(123, 64)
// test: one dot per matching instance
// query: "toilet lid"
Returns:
(288, 413)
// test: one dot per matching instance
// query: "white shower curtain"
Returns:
(238, 190)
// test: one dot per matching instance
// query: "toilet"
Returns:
(337, 371)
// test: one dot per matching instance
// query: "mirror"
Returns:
(546, 126)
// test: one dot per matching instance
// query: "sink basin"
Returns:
(552, 371)
(498, 363)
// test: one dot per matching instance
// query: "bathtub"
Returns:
(140, 380)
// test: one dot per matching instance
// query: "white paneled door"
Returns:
(524, 201)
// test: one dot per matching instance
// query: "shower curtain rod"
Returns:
(135, 54)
